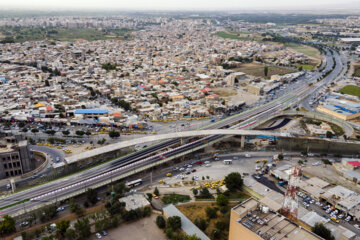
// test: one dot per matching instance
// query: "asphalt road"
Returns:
(63, 187)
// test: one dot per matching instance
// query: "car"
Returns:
(340, 216)
(334, 219)
(247, 155)
(181, 169)
(328, 210)
(207, 162)
(104, 233)
(208, 165)
(155, 196)
(194, 170)
(348, 218)
(189, 166)
(357, 226)
(312, 201)
(187, 173)
(168, 174)
(59, 209)
(175, 168)
(217, 159)
(98, 235)
(24, 223)
(235, 158)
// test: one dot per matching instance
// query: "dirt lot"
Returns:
(143, 229)
(257, 69)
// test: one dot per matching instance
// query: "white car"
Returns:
(357, 226)
(208, 165)
(348, 218)
(98, 235)
(247, 155)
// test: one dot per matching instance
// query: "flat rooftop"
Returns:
(269, 224)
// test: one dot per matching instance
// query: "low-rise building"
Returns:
(252, 220)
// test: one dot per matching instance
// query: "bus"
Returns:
(134, 183)
(227, 161)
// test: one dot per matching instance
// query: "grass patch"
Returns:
(237, 195)
(306, 66)
(231, 36)
(307, 50)
(351, 90)
(175, 198)
(14, 204)
(196, 210)
(257, 70)
(356, 71)
(336, 129)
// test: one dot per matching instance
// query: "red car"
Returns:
(194, 170)
(199, 162)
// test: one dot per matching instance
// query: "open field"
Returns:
(351, 90)
(356, 71)
(231, 36)
(307, 50)
(306, 66)
(197, 211)
(63, 34)
(257, 69)
(224, 92)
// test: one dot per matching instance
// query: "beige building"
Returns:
(251, 220)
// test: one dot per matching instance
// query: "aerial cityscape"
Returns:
(180, 121)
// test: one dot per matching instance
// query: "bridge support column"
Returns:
(181, 141)
(242, 141)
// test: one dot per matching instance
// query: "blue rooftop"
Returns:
(91, 111)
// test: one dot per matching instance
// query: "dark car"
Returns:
(194, 170)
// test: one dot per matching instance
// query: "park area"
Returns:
(257, 70)
(351, 90)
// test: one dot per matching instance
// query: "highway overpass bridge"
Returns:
(88, 155)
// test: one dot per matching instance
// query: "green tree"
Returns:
(75, 207)
(65, 132)
(300, 68)
(201, 223)
(233, 181)
(160, 221)
(156, 191)
(7, 225)
(79, 133)
(34, 130)
(266, 71)
(174, 222)
(24, 130)
(88, 133)
(192, 237)
(211, 212)
(70, 234)
(61, 227)
(114, 134)
(92, 195)
(322, 231)
(195, 191)
(83, 228)
(281, 156)
(329, 134)
(222, 200)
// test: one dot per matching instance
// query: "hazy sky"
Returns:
(172, 4)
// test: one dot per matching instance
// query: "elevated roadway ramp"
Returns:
(117, 146)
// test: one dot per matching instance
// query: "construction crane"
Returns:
(290, 205)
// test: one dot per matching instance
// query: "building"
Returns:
(91, 113)
(251, 220)
(342, 109)
(15, 158)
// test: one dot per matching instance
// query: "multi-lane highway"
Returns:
(39, 195)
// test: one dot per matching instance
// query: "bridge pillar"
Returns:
(181, 141)
(242, 141)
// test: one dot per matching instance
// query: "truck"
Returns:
(282, 183)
